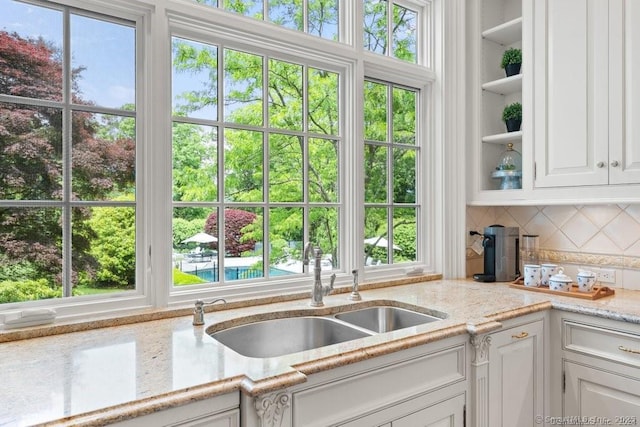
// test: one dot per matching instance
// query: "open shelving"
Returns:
(500, 24)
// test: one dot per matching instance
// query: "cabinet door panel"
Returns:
(516, 363)
(571, 101)
(445, 414)
(624, 114)
(591, 392)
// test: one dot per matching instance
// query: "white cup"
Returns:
(532, 275)
(547, 271)
(586, 280)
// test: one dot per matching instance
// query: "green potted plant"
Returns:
(511, 61)
(512, 116)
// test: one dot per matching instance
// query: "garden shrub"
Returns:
(28, 290)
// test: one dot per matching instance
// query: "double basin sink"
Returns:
(278, 337)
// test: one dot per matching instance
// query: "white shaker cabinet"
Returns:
(587, 92)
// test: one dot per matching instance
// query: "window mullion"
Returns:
(265, 164)
(67, 248)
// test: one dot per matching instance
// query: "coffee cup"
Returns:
(586, 280)
(532, 275)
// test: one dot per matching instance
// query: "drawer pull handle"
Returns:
(520, 335)
(628, 350)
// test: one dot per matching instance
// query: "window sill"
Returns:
(64, 326)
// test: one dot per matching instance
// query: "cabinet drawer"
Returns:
(372, 391)
(611, 344)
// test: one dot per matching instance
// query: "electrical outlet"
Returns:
(606, 275)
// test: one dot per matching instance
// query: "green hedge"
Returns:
(180, 278)
(27, 290)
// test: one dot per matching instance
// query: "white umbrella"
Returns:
(380, 242)
(201, 238)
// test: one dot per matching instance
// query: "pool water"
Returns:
(236, 273)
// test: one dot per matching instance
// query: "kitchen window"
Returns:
(391, 29)
(316, 17)
(156, 152)
(256, 147)
(68, 153)
(391, 157)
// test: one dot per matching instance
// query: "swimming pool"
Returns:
(236, 273)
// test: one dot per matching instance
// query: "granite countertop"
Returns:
(103, 375)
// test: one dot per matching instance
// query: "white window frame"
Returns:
(157, 20)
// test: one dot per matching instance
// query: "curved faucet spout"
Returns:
(319, 290)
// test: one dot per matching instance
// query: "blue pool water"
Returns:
(235, 273)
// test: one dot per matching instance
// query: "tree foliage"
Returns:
(291, 87)
(114, 245)
(26, 290)
(31, 164)
(236, 220)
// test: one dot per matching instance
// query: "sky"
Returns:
(105, 49)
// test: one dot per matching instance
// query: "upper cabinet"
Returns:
(586, 72)
(580, 92)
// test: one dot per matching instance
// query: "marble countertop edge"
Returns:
(150, 405)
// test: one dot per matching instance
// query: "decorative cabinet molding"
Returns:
(273, 408)
(480, 380)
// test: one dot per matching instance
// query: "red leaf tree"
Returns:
(235, 221)
(31, 158)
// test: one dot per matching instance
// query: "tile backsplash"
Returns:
(575, 236)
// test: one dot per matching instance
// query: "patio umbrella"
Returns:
(380, 242)
(201, 238)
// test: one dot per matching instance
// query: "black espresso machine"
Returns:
(501, 254)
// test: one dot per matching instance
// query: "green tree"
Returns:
(31, 165)
(184, 228)
(114, 245)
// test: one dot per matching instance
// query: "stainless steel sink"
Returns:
(385, 318)
(278, 337)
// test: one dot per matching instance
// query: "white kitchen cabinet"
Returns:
(516, 375)
(413, 387)
(587, 95)
(591, 392)
(425, 411)
(598, 365)
(508, 384)
(449, 413)
(219, 411)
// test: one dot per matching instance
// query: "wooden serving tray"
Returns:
(596, 293)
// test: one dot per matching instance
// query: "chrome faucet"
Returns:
(198, 311)
(319, 290)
